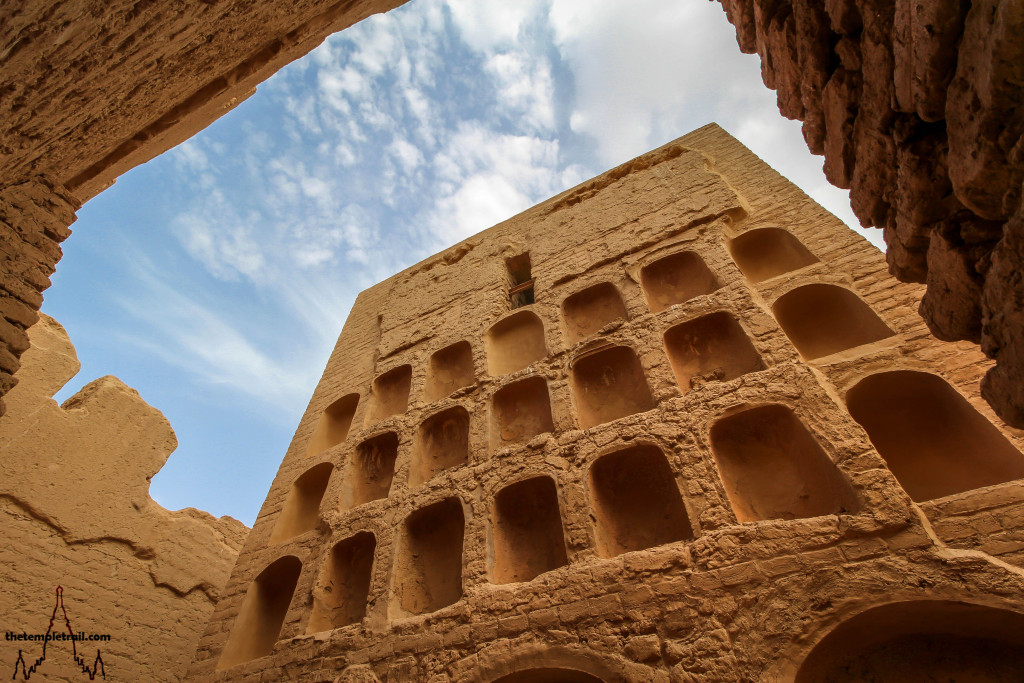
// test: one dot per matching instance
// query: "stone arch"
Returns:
(931, 438)
(925, 640)
(498, 665)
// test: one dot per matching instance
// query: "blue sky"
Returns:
(216, 278)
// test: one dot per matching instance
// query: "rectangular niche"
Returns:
(371, 470)
(428, 562)
(588, 311)
(527, 531)
(519, 412)
(515, 342)
(334, 424)
(449, 370)
(712, 347)
(773, 468)
(635, 501)
(390, 393)
(341, 591)
(301, 510)
(676, 278)
(766, 252)
(609, 384)
(442, 442)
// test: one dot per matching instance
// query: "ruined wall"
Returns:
(76, 512)
(918, 108)
(702, 435)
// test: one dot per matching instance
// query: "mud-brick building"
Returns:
(675, 424)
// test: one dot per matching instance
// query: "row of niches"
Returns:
(770, 465)
(930, 437)
(820, 320)
(608, 381)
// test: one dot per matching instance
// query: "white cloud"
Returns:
(486, 26)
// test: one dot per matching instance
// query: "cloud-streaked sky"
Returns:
(216, 278)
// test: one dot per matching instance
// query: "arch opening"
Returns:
(428, 562)
(587, 311)
(635, 501)
(515, 342)
(766, 252)
(527, 536)
(549, 675)
(449, 370)
(609, 384)
(931, 438)
(927, 640)
(773, 468)
(824, 319)
(519, 412)
(371, 470)
(339, 598)
(334, 423)
(391, 393)
(301, 509)
(676, 278)
(442, 443)
(259, 621)
(712, 347)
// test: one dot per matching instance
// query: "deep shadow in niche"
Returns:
(334, 424)
(927, 640)
(930, 437)
(258, 624)
(371, 470)
(609, 384)
(449, 370)
(442, 443)
(824, 319)
(339, 598)
(676, 278)
(636, 502)
(588, 311)
(428, 562)
(302, 507)
(712, 347)
(766, 252)
(526, 531)
(549, 675)
(773, 468)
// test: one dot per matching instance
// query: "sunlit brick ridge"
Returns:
(714, 442)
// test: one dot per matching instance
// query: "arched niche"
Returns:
(766, 252)
(676, 278)
(609, 384)
(449, 370)
(259, 621)
(334, 424)
(519, 412)
(514, 342)
(390, 393)
(302, 506)
(526, 531)
(926, 640)
(427, 573)
(370, 470)
(711, 347)
(773, 468)
(589, 310)
(823, 319)
(549, 675)
(635, 501)
(339, 598)
(442, 442)
(930, 437)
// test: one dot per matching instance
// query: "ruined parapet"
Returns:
(676, 423)
(917, 108)
(76, 512)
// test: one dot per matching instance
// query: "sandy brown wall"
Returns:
(76, 513)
